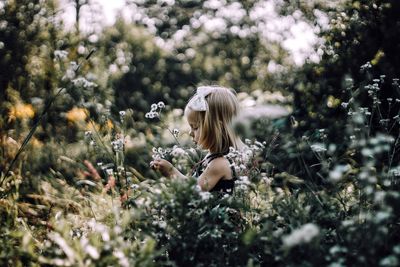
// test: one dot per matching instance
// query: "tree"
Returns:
(220, 40)
(359, 32)
(26, 27)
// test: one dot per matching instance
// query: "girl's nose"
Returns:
(191, 133)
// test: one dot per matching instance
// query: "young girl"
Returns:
(210, 113)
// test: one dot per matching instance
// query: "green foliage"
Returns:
(360, 33)
(233, 55)
(323, 192)
(142, 73)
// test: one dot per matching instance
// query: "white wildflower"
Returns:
(122, 114)
(69, 74)
(394, 171)
(381, 216)
(227, 195)
(379, 196)
(205, 195)
(175, 132)
(152, 115)
(100, 228)
(157, 191)
(60, 241)
(242, 187)
(82, 82)
(118, 144)
(318, 147)
(197, 188)
(60, 54)
(162, 224)
(134, 186)
(161, 104)
(390, 260)
(336, 174)
(367, 152)
(109, 172)
(156, 156)
(347, 223)
(58, 215)
(243, 180)
(92, 251)
(178, 152)
(123, 260)
(267, 180)
(304, 234)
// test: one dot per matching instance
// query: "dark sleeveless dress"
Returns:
(222, 186)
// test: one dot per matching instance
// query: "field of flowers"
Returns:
(81, 120)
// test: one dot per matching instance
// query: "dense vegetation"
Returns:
(82, 114)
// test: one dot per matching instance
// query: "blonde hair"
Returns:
(215, 123)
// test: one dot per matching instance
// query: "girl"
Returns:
(210, 113)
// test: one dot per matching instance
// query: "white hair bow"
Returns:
(198, 101)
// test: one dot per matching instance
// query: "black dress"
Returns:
(222, 186)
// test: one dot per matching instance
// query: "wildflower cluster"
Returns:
(242, 159)
(305, 234)
(366, 66)
(155, 111)
(70, 73)
(89, 138)
(83, 82)
(60, 54)
(363, 116)
(338, 172)
(318, 147)
(118, 144)
(122, 115)
(88, 246)
(175, 132)
(160, 153)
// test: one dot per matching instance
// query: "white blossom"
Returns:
(318, 147)
(83, 82)
(302, 235)
(205, 195)
(336, 174)
(60, 54)
(178, 152)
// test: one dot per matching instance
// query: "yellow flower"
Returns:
(21, 111)
(92, 126)
(109, 124)
(36, 143)
(76, 115)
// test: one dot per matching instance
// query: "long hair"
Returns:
(215, 124)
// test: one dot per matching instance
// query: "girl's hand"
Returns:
(164, 166)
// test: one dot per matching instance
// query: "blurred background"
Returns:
(73, 66)
(91, 91)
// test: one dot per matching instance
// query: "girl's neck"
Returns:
(239, 145)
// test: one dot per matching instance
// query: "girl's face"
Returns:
(194, 126)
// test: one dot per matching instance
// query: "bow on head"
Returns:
(198, 101)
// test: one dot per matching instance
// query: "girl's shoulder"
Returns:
(219, 163)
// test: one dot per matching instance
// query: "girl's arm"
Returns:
(216, 170)
(166, 168)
